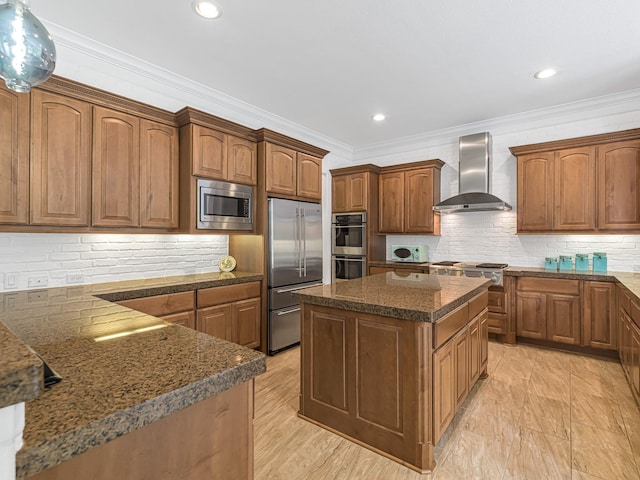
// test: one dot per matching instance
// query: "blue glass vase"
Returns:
(27, 52)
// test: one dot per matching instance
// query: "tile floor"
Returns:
(540, 415)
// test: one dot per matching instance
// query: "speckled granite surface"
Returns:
(419, 297)
(112, 387)
(20, 370)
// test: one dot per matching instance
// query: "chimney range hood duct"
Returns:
(473, 179)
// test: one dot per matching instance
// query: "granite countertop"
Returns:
(112, 386)
(20, 370)
(418, 296)
(630, 280)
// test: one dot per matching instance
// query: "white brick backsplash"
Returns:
(106, 257)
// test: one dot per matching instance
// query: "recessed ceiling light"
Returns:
(546, 73)
(207, 9)
(378, 117)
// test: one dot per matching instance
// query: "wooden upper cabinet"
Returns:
(209, 153)
(407, 194)
(309, 177)
(241, 160)
(418, 201)
(574, 189)
(60, 160)
(535, 192)
(14, 157)
(282, 169)
(619, 186)
(116, 169)
(585, 184)
(159, 170)
(350, 193)
(391, 202)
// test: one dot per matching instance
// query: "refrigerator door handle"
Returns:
(299, 240)
(304, 241)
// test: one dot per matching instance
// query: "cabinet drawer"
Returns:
(159, 305)
(553, 285)
(208, 297)
(448, 325)
(186, 319)
(478, 303)
(497, 301)
(497, 322)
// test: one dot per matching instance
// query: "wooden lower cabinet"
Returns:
(373, 270)
(629, 337)
(211, 439)
(380, 381)
(598, 315)
(186, 319)
(549, 309)
(231, 312)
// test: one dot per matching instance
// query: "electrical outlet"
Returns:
(40, 296)
(37, 281)
(11, 281)
(75, 278)
(636, 268)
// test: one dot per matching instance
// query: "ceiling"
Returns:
(330, 65)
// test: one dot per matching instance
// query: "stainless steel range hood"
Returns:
(474, 176)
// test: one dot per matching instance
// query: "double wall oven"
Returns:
(348, 246)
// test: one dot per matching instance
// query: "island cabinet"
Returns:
(14, 156)
(231, 312)
(407, 194)
(629, 335)
(587, 184)
(391, 384)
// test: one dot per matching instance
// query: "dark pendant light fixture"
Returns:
(27, 52)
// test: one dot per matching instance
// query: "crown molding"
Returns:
(605, 105)
(117, 67)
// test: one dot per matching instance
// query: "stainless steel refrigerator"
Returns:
(294, 262)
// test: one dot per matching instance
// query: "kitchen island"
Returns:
(386, 360)
(139, 397)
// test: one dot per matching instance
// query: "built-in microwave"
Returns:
(224, 206)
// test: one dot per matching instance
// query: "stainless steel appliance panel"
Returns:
(294, 243)
(349, 233)
(347, 268)
(282, 297)
(284, 328)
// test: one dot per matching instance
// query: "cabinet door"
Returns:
(624, 341)
(186, 319)
(14, 157)
(241, 161)
(391, 202)
(215, 321)
(563, 318)
(116, 169)
(282, 170)
(60, 160)
(634, 368)
(531, 316)
(484, 342)
(358, 192)
(444, 403)
(461, 353)
(574, 189)
(474, 350)
(339, 193)
(418, 207)
(598, 315)
(159, 169)
(619, 186)
(535, 192)
(245, 326)
(309, 177)
(208, 153)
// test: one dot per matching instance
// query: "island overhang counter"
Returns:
(386, 360)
